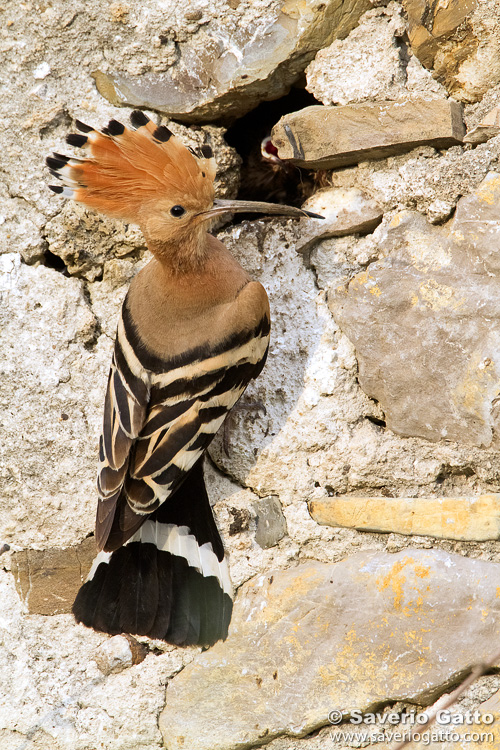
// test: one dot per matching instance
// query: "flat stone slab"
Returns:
(48, 580)
(329, 137)
(463, 518)
(489, 127)
(345, 211)
(425, 321)
(374, 628)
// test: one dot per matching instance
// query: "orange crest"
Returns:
(129, 172)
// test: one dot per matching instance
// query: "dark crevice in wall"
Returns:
(262, 178)
(50, 260)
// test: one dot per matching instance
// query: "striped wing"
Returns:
(160, 416)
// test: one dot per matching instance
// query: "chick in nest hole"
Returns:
(265, 176)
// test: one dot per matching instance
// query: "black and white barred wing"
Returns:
(178, 412)
(187, 406)
(125, 409)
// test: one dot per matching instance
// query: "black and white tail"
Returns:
(170, 580)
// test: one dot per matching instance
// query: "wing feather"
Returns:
(157, 424)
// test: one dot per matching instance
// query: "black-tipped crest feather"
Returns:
(75, 139)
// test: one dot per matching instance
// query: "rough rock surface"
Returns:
(488, 128)
(328, 137)
(444, 383)
(119, 653)
(271, 523)
(268, 252)
(322, 436)
(52, 694)
(464, 518)
(52, 385)
(459, 41)
(304, 641)
(228, 67)
(373, 55)
(344, 212)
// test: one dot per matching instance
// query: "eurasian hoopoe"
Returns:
(193, 331)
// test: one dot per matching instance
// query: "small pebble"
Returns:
(119, 653)
(41, 71)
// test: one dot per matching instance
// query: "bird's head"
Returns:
(147, 176)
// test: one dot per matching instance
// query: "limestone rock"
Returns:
(107, 295)
(20, 227)
(344, 212)
(425, 322)
(48, 580)
(366, 65)
(488, 128)
(459, 41)
(271, 523)
(227, 68)
(53, 696)
(84, 240)
(304, 640)
(464, 518)
(118, 653)
(53, 377)
(474, 228)
(439, 211)
(267, 251)
(328, 137)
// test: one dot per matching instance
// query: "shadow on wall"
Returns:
(268, 253)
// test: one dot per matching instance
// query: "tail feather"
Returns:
(159, 628)
(139, 593)
(169, 580)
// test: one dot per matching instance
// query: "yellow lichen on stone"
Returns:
(489, 190)
(478, 387)
(462, 518)
(438, 296)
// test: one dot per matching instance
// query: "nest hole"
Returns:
(264, 178)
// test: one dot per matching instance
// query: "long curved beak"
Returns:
(274, 209)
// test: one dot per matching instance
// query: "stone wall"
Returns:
(361, 511)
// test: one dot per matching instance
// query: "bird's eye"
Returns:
(177, 211)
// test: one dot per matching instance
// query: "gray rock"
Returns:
(267, 251)
(71, 235)
(475, 226)
(425, 322)
(329, 137)
(53, 696)
(20, 227)
(226, 69)
(458, 42)
(271, 523)
(303, 642)
(487, 128)
(52, 382)
(344, 212)
(119, 653)
(368, 64)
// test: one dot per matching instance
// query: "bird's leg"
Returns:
(239, 406)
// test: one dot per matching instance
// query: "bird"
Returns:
(193, 332)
